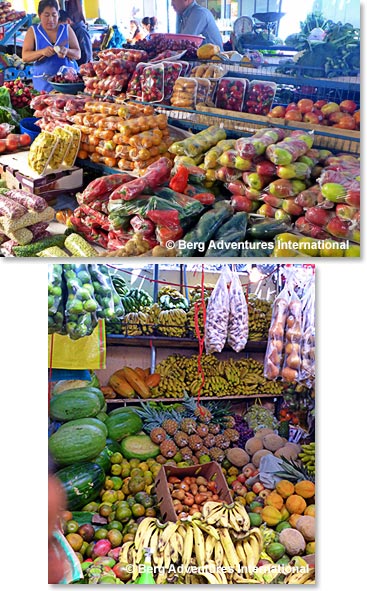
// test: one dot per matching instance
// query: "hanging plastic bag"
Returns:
(55, 300)
(307, 372)
(274, 350)
(217, 315)
(81, 306)
(105, 293)
(238, 315)
(293, 337)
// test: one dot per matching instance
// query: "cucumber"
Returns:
(265, 229)
(31, 250)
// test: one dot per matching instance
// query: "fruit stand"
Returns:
(189, 454)
(230, 166)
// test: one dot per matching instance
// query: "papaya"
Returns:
(120, 385)
(136, 383)
(153, 380)
(207, 51)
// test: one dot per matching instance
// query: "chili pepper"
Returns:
(169, 218)
(165, 234)
(142, 226)
(205, 198)
(179, 181)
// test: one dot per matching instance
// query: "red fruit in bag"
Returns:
(338, 228)
(318, 216)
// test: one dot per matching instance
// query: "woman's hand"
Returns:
(62, 52)
(48, 51)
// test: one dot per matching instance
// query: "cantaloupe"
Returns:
(256, 458)
(286, 452)
(272, 442)
(253, 445)
(306, 526)
(237, 456)
(260, 433)
(293, 541)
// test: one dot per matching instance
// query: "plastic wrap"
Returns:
(184, 93)
(286, 152)
(199, 143)
(105, 293)
(231, 93)
(55, 299)
(217, 314)
(307, 371)
(293, 337)
(249, 147)
(65, 138)
(157, 174)
(152, 83)
(259, 97)
(238, 315)
(81, 306)
(274, 350)
(99, 187)
(41, 151)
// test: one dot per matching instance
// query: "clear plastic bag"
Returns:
(152, 83)
(81, 306)
(54, 297)
(293, 337)
(231, 93)
(217, 314)
(274, 349)
(105, 293)
(238, 315)
(307, 372)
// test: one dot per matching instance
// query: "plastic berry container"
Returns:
(231, 93)
(259, 97)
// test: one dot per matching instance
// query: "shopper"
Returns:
(49, 45)
(193, 19)
(81, 33)
(56, 503)
(135, 34)
(149, 24)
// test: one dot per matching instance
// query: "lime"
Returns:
(101, 533)
(116, 458)
(115, 525)
(90, 305)
(71, 527)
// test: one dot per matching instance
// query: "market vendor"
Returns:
(49, 45)
(193, 19)
(82, 34)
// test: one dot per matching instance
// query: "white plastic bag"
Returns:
(274, 351)
(293, 337)
(217, 314)
(238, 315)
(307, 373)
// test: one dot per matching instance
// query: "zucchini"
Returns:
(206, 228)
(32, 250)
(266, 229)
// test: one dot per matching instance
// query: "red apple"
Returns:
(293, 115)
(257, 487)
(338, 228)
(311, 118)
(268, 212)
(305, 105)
(242, 478)
(353, 197)
(348, 106)
(256, 181)
(253, 194)
(280, 214)
(272, 200)
(319, 104)
(277, 112)
(290, 206)
(346, 122)
(329, 108)
(248, 472)
(346, 212)
(266, 168)
(335, 117)
(291, 106)
(243, 203)
(319, 216)
(264, 493)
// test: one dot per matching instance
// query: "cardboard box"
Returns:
(15, 171)
(210, 471)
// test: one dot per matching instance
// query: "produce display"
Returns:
(8, 14)
(345, 115)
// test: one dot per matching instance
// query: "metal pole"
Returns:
(185, 281)
(153, 352)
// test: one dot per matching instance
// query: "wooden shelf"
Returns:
(116, 401)
(173, 342)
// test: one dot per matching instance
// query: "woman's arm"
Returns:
(29, 54)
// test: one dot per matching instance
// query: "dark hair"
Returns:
(48, 3)
(151, 21)
(63, 16)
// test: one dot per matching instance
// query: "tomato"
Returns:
(3, 146)
(24, 139)
(11, 144)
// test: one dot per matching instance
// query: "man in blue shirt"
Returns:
(193, 19)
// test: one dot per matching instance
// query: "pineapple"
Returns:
(231, 434)
(195, 442)
(229, 422)
(214, 429)
(209, 440)
(168, 448)
(170, 426)
(222, 442)
(202, 430)
(217, 454)
(186, 453)
(202, 452)
(188, 426)
(181, 438)
(158, 435)
(203, 415)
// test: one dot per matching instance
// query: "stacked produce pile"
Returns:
(345, 115)
(160, 47)
(24, 219)
(21, 95)
(154, 83)
(108, 466)
(8, 14)
(111, 73)
(56, 109)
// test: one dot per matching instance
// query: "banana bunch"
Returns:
(233, 516)
(137, 324)
(170, 298)
(304, 576)
(259, 317)
(120, 286)
(172, 323)
(153, 313)
(213, 386)
(169, 387)
(307, 455)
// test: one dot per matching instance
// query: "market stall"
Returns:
(165, 148)
(191, 444)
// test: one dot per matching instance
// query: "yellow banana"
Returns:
(229, 549)
(210, 543)
(256, 532)
(250, 559)
(240, 553)
(252, 540)
(188, 546)
(199, 545)
(208, 529)
(218, 554)
(166, 534)
(144, 541)
(124, 554)
(144, 525)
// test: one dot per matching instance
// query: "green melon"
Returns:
(140, 447)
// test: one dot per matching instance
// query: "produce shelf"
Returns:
(116, 402)
(10, 29)
(172, 342)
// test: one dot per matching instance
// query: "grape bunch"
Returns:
(243, 430)
(160, 44)
(70, 77)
